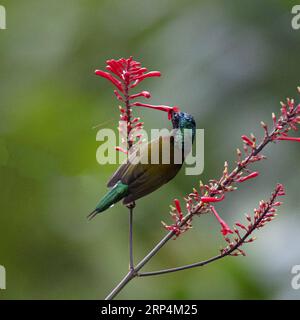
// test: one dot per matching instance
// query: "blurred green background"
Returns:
(228, 63)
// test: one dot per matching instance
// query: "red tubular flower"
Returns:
(140, 78)
(212, 199)
(280, 189)
(167, 109)
(288, 139)
(111, 78)
(241, 226)
(144, 94)
(121, 149)
(148, 75)
(250, 176)
(177, 205)
(119, 97)
(248, 141)
(178, 208)
(225, 228)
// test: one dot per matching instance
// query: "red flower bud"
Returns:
(250, 176)
(109, 77)
(147, 75)
(145, 94)
(289, 139)
(248, 141)
(212, 199)
(178, 208)
(225, 228)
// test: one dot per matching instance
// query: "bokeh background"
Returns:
(228, 63)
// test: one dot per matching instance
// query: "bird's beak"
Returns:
(167, 109)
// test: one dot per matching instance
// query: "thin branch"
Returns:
(129, 145)
(224, 253)
(131, 260)
(133, 273)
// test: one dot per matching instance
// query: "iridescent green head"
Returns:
(183, 120)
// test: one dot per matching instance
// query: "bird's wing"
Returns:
(125, 167)
(141, 175)
(117, 175)
(151, 177)
(134, 166)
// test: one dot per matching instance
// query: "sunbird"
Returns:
(136, 179)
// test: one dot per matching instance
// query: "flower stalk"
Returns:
(126, 74)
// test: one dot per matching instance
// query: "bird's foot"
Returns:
(131, 205)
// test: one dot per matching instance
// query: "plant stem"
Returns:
(129, 145)
(131, 262)
(223, 254)
(133, 273)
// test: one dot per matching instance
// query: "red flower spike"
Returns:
(225, 228)
(262, 215)
(125, 74)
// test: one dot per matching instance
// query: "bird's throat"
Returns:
(183, 139)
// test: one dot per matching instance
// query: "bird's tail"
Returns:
(115, 194)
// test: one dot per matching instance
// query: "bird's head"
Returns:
(183, 120)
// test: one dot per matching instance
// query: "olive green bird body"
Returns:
(146, 169)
